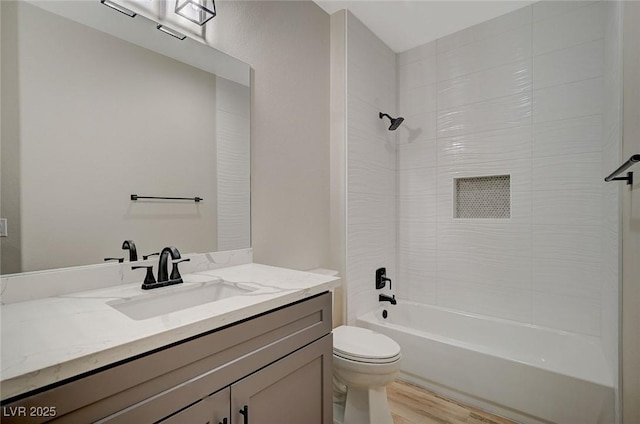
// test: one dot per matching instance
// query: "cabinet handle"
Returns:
(245, 412)
(224, 421)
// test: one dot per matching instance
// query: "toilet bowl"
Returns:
(364, 363)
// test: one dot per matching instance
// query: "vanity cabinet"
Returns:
(271, 368)
(213, 409)
(286, 391)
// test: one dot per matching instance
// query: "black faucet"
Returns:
(163, 267)
(164, 279)
(131, 247)
(385, 298)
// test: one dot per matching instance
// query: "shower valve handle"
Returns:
(381, 278)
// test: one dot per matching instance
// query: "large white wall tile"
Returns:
(576, 63)
(505, 112)
(568, 313)
(375, 90)
(371, 163)
(417, 74)
(505, 80)
(418, 154)
(567, 136)
(611, 154)
(611, 207)
(489, 146)
(422, 52)
(553, 8)
(417, 234)
(479, 268)
(371, 207)
(417, 272)
(512, 46)
(417, 182)
(491, 240)
(365, 177)
(417, 100)
(564, 277)
(492, 28)
(569, 29)
(566, 101)
(568, 172)
(417, 128)
(563, 242)
(567, 207)
(494, 301)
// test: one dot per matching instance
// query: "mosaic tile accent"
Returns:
(483, 197)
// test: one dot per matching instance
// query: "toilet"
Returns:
(364, 363)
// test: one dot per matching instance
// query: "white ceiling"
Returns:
(404, 24)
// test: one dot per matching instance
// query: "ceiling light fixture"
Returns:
(171, 32)
(197, 11)
(119, 8)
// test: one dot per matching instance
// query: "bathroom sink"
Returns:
(175, 299)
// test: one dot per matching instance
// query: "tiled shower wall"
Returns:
(232, 164)
(371, 166)
(523, 95)
(611, 159)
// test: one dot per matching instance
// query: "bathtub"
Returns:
(527, 373)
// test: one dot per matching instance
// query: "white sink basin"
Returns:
(176, 298)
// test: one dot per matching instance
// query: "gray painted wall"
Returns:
(287, 45)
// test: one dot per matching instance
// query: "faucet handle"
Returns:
(149, 279)
(145, 257)
(175, 273)
(121, 260)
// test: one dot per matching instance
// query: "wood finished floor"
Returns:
(413, 405)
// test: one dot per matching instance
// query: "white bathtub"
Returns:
(524, 372)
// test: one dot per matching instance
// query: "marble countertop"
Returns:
(55, 338)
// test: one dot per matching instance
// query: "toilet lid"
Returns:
(363, 344)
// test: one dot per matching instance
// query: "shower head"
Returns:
(395, 122)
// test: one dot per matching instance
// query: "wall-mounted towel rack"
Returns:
(193, 199)
(629, 178)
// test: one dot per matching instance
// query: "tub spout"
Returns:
(385, 298)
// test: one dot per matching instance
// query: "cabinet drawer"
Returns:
(184, 372)
(213, 409)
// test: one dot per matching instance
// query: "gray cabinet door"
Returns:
(293, 390)
(213, 409)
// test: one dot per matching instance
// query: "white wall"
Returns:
(371, 166)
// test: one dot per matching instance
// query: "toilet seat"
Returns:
(363, 345)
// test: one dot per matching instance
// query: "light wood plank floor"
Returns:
(413, 405)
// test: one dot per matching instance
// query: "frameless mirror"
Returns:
(98, 106)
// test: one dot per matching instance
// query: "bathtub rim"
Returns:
(373, 317)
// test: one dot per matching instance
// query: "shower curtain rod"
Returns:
(629, 178)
